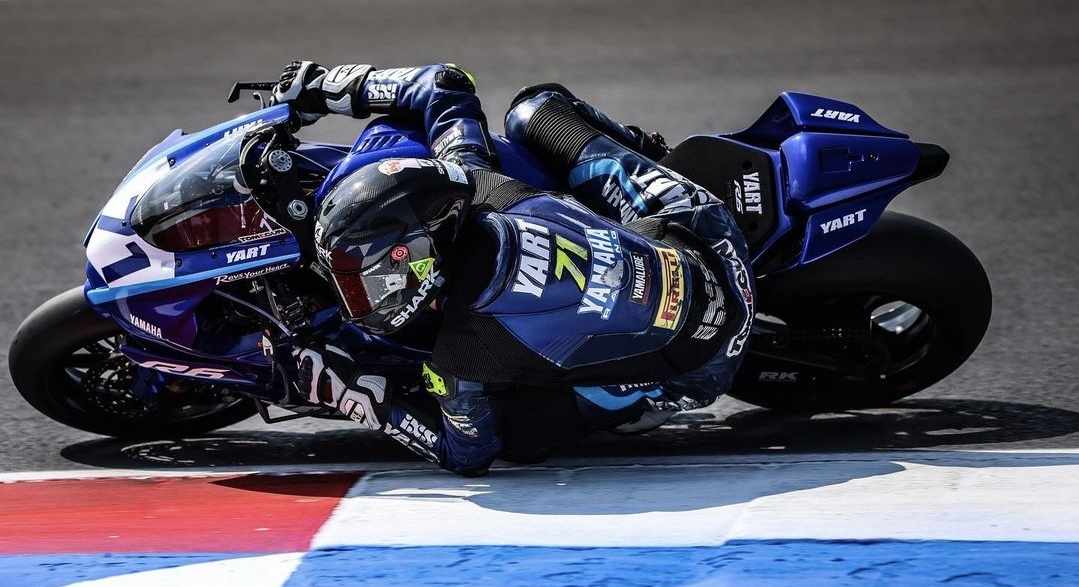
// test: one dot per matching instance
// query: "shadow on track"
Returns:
(908, 424)
(614, 490)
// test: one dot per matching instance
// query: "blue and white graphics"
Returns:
(605, 276)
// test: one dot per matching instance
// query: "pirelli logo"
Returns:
(673, 292)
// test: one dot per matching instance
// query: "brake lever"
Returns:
(234, 93)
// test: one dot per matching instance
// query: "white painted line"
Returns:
(927, 455)
(916, 495)
(265, 571)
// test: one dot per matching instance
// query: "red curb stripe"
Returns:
(245, 513)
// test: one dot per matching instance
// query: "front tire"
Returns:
(882, 319)
(65, 362)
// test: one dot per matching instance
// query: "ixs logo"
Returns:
(186, 370)
(747, 193)
(605, 278)
(534, 262)
(415, 428)
(837, 115)
(434, 279)
(382, 93)
(145, 326)
(247, 254)
(843, 221)
(673, 289)
(415, 436)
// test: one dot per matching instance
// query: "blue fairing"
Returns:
(837, 164)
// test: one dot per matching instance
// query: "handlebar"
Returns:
(234, 93)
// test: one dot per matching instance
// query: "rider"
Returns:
(636, 291)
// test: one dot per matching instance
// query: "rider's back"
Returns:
(548, 292)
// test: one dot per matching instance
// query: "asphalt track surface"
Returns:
(87, 87)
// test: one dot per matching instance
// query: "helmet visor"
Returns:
(362, 294)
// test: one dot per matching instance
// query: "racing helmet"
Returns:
(384, 234)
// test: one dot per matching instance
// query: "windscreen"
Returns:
(201, 203)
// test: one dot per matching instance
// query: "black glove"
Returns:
(301, 84)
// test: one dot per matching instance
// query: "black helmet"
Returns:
(384, 233)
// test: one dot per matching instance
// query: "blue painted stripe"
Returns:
(608, 168)
(791, 562)
(54, 570)
(104, 295)
(743, 562)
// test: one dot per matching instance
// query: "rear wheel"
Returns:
(880, 320)
(65, 361)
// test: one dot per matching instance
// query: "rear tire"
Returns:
(904, 259)
(40, 360)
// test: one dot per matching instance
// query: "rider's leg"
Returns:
(633, 137)
(599, 156)
(625, 185)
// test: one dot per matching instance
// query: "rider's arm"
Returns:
(470, 439)
(462, 437)
(464, 440)
(443, 96)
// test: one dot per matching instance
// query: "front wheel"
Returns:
(882, 319)
(65, 361)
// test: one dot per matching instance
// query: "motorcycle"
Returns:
(193, 303)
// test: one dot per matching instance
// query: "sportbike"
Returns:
(193, 302)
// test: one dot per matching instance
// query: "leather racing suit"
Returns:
(636, 291)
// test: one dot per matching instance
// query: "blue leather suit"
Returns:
(636, 291)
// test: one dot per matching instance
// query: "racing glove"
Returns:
(315, 91)
(364, 398)
(301, 84)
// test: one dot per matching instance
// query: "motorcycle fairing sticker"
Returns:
(672, 289)
(115, 252)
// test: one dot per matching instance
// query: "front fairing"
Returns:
(152, 293)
